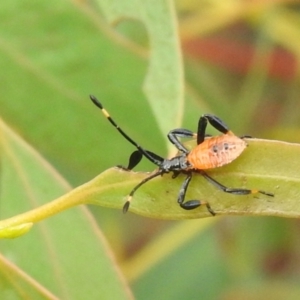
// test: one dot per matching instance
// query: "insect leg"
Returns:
(235, 191)
(191, 204)
(214, 121)
(134, 160)
(174, 134)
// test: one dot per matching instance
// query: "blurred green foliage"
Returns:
(241, 62)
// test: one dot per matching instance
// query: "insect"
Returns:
(210, 152)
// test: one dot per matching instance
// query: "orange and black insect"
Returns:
(210, 152)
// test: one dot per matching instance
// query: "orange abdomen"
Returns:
(216, 152)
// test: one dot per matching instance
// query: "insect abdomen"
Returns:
(216, 152)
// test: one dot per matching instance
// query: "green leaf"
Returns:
(50, 251)
(15, 231)
(81, 60)
(271, 166)
(257, 168)
(165, 93)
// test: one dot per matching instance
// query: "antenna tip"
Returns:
(96, 101)
(126, 206)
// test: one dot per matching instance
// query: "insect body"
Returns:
(210, 152)
(216, 151)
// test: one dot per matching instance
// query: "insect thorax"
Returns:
(176, 163)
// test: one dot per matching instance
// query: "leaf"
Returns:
(46, 79)
(24, 286)
(164, 80)
(257, 168)
(51, 107)
(271, 166)
(12, 232)
(50, 251)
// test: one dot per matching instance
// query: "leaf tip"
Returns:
(14, 231)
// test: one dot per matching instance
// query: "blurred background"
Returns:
(241, 62)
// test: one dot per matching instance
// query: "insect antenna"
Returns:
(154, 158)
(129, 197)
